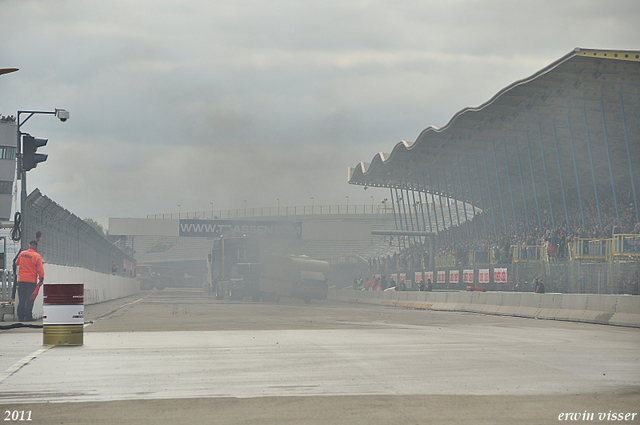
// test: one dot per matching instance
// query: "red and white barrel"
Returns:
(63, 313)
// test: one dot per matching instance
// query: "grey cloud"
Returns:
(224, 101)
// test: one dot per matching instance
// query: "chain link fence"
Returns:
(68, 240)
(580, 277)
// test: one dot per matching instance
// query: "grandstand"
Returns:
(550, 161)
(568, 135)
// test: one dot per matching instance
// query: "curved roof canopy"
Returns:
(539, 136)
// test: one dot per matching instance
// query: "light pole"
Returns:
(347, 204)
(212, 217)
(278, 206)
(63, 116)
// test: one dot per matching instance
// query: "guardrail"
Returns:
(590, 250)
(529, 254)
(626, 246)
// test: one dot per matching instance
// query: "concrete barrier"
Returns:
(493, 302)
(529, 305)
(98, 287)
(440, 301)
(510, 303)
(626, 311)
(550, 306)
(600, 308)
(620, 310)
(574, 306)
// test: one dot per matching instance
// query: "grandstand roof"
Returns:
(544, 125)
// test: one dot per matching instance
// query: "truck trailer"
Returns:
(236, 268)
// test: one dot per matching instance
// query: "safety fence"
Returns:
(67, 240)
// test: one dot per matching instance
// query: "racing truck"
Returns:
(236, 269)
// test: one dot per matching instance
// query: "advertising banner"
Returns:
(454, 276)
(467, 276)
(428, 276)
(418, 277)
(442, 276)
(499, 275)
(237, 229)
(483, 276)
(403, 277)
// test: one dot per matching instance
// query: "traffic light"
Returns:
(30, 158)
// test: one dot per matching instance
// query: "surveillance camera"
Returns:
(62, 114)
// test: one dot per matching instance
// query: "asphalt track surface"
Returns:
(177, 356)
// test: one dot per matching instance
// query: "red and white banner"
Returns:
(483, 276)
(499, 275)
(428, 276)
(454, 276)
(403, 277)
(394, 277)
(467, 276)
(418, 277)
(442, 276)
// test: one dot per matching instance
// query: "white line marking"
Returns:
(23, 362)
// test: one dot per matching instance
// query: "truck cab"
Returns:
(233, 269)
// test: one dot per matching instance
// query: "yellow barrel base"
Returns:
(62, 334)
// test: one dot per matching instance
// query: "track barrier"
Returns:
(619, 310)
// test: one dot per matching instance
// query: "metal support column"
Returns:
(564, 198)
(546, 178)
(484, 211)
(409, 216)
(424, 185)
(464, 202)
(486, 173)
(433, 202)
(495, 162)
(575, 168)
(513, 203)
(606, 144)
(415, 209)
(444, 227)
(524, 198)
(455, 195)
(404, 207)
(424, 221)
(533, 180)
(393, 205)
(453, 236)
(473, 204)
(593, 171)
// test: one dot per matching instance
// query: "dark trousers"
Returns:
(25, 305)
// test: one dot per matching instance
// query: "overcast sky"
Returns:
(197, 102)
